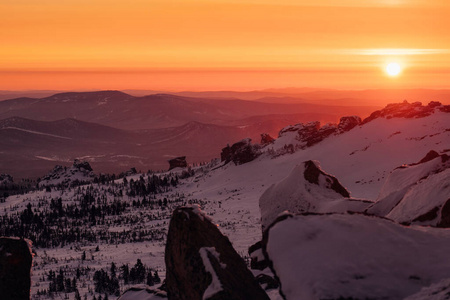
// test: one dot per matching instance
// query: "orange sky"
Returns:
(222, 44)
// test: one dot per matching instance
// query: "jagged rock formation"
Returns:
(80, 171)
(202, 264)
(352, 256)
(417, 193)
(348, 123)
(15, 266)
(178, 162)
(266, 139)
(307, 189)
(312, 133)
(240, 153)
(407, 110)
(82, 165)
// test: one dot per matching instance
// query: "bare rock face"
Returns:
(82, 165)
(348, 123)
(313, 172)
(240, 153)
(407, 110)
(15, 266)
(178, 162)
(266, 139)
(202, 264)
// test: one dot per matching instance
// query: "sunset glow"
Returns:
(221, 44)
(393, 69)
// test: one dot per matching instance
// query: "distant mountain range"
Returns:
(114, 130)
(120, 110)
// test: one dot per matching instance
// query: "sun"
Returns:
(393, 69)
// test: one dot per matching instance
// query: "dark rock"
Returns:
(312, 172)
(430, 156)
(15, 266)
(445, 108)
(308, 131)
(318, 136)
(445, 215)
(348, 123)
(434, 104)
(266, 139)
(178, 162)
(271, 283)
(406, 110)
(257, 260)
(240, 153)
(428, 216)
(225, 155)
(82, 165)
(200, 259)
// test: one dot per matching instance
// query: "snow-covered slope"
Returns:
(355, 257)
(361, 158)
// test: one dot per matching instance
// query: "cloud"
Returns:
(393, 51)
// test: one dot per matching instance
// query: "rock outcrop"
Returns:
(407, 110)
(15, 266)
(417, 193)
(202, 264)
(348, 123)
(178, 162)
(80, 171)
(266, 139)
(82, 165)
(311, 133)
(240, 153)
(307, 189)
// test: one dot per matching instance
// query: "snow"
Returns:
(332, 256)
(215, 286)
(37, 132)
(361, 159)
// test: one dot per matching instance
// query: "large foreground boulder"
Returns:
(202, 264)
(353, 256)
(15, 266)
(307, 189)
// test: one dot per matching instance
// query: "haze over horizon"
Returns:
(223, 45)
